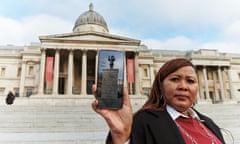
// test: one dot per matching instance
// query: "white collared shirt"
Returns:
(175, 114)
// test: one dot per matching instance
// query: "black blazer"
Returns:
(157, 127)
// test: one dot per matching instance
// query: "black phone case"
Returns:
(110, 79)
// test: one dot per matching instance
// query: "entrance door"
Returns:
(89, 86)
(61, 85)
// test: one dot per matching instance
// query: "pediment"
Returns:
(88, 37)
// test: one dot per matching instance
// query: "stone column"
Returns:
(199, 85)
(221, 83)
(125, 74)
(42, 72)
(206, 83)
(136, 75)
(232, 94)
(70, 73)
(130, 85)
(56, 73)
(152, 76)
(22, 81)
(84, 72)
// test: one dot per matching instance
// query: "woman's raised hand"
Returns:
(118, 120)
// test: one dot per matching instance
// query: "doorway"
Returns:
(61, 86)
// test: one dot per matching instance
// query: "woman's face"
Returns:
(180, 88)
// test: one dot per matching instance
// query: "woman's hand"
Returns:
(119, 120)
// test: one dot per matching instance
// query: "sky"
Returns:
(159, 24)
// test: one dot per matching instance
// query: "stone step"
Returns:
(50, 119)
(227, 117)
(79, 124)
(53, 138)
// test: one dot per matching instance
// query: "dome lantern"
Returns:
(91, 7)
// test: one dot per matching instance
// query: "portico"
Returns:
(73, 64)
(215, 81)
(73, 72)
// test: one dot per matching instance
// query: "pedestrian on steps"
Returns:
(10, 98)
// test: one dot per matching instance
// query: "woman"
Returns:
(167, 117)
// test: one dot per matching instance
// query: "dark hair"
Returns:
(156, 99)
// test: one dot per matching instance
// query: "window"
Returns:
(145, 72)
(2, 89)
(29, 92)
(16, 90)
(30, 70)
(146, 91)
(3, 70)
(19, 72)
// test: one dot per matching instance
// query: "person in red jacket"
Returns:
(168, 116)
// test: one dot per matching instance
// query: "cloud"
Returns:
(170, 25)
(227, 47)
(228, 39)
(184, 44)
(11, 31)
(176, 43)
(232, 31)
(186, 12)
(27, 30)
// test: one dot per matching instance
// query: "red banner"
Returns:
(49, 69)
(130, 70)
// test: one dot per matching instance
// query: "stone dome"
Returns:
(90, 21)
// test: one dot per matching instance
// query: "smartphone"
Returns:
(110, 79)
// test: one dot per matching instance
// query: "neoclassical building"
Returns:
(64, 65)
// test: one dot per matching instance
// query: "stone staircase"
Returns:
(64, 123)
(44, 123)
(227, 116)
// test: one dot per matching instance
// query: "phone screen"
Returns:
(110, 78)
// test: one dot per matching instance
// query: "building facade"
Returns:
(65, 65)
